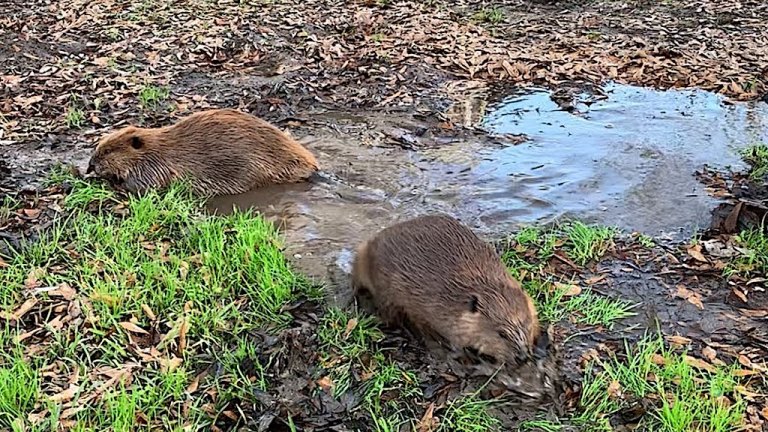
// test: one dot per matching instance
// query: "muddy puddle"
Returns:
(625, 158)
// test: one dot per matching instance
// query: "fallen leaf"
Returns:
(148, 311)
(692, 297)
(709, 353)
(22, 310)
(614, 389)
(133, 328)
(595, 279)
(570, 290)
(351, 324)
(170, 364)
(428, 422)
(183, 270)
(695, 252)
(63, 290)
(31, 213)
(699, 363)
(745, 361)
(738, 293)
(325, 383)
(66, 395)
(749, 394)
(658, 360)
(183, 335)
(33, 278)
(678, 340)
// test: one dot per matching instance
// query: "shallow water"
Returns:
(628, 160)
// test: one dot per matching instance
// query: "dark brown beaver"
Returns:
(221, 151)
(437, 275)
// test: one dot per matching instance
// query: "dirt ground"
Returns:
(397, 73)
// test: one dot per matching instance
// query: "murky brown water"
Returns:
(628, 160)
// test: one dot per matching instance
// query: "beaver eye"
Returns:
(136, 143)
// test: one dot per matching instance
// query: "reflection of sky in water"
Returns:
(602, 162)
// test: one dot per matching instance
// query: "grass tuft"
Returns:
(586, 243)
(344, 338)
(754, 256)
(469, 414)
(489, 15)
(151, 97)
(75, 117)
(526, 255)
(757, 156)
(687, 397)
(150, 269)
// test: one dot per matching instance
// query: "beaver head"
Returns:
(503, 326)
(131, 157)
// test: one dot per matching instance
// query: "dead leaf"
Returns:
(133, 328)
(351, 324)
(745, 361)
(183, 335)
(709, 353)
(33, 278)
(170, 364)
(570, 290)
(698, 363)
(428, 422)
(148, 311)
(678, 340)
(66, 395)
(738, 293)
(595, 279)
(22, 310)
(695, 252)
(325, 383)
(614, 389)
(183, 270)
(690, 296)
(31, 213)
(63, 290)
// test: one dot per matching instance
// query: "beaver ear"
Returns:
(541, 345)
(136, 142)
(473, 304)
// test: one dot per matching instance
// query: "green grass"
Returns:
(75, 117)
(757, 157)
(755, 257)
(540, 425)
(645, 241)
(526, 254)
(489, 15)
(344, 338)
(468, 414)
(683, 397)
(587, 242)
(151, 97)
(137, 265)
(19, 388)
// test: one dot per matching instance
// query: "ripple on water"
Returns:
(628, 160)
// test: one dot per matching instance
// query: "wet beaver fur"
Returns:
(436, 275)
(221, 151)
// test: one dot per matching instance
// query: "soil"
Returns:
(389, 76)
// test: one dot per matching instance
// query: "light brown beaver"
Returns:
(436, 275)
(221, 151)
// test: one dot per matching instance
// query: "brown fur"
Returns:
(438, 275)
(221, 151)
